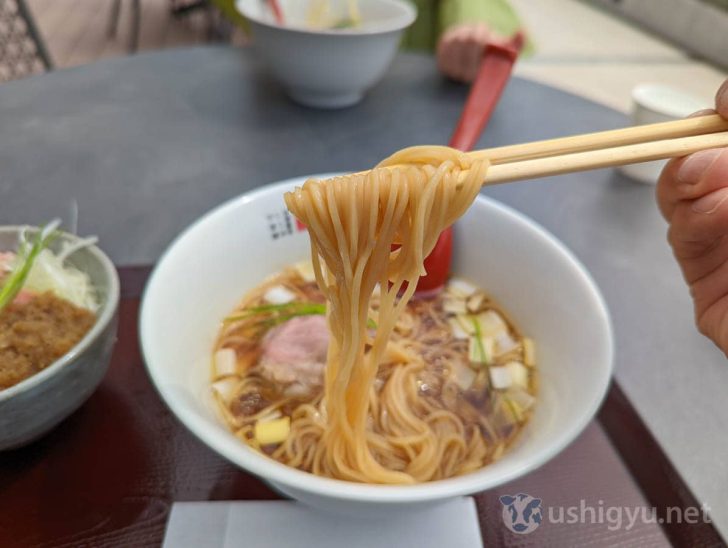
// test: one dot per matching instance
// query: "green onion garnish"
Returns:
(26, 257)
(277, 311)
(479, 339)
(275, 314)
(345, 23)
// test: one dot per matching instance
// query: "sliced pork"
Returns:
(294, 354)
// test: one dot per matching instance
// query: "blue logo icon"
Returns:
(522, 513)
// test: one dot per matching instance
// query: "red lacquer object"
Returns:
(493, 75)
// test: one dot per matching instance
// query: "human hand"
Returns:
(460, 50)
(693, 196)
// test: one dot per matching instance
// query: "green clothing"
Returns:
(435, 16)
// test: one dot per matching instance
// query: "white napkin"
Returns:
(285, 524)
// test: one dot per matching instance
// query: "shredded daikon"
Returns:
(49, 273)
(41, 270)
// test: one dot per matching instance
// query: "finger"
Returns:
(472, 53)
(484, 35)
(447, 54)
(453, 43)
(701, 221)
(710, 287)
(721, 100)
(441, 52)
(691, 177)
(699, 259)
(463, 44)
(698, 239)
(667, 192)
(711, 321)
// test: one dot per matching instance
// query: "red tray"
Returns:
(108, 475)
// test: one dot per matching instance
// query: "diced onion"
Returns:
(273, 415)
(50, 273)
(462, 375)
(514, 409)
(279, 295)
(305, 270)
(225, 388)
(492, 324)
(466, 323)
(529, 352)
(296, 390)
(481, 350)
(522, 398)
(475, 302)
(454, 306)
(460, 287)
(225, 362)
(519, 374)
(505, 343)
(457, 329)
(272, 431)
(500, 377)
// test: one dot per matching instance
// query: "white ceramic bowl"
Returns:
(328, 68)
(37, 404)
(211, 265)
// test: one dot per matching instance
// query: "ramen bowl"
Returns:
(546, 291)
(327, 68)
(35, 405)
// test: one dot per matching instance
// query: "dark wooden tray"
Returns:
(108, 475)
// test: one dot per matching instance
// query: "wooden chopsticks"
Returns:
(604, 149)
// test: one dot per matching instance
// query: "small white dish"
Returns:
(227, 252)
(652, 104)
(328, 68)
(263, 524)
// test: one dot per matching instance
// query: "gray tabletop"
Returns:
(146, 144)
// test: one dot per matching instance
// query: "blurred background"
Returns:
(599, 49)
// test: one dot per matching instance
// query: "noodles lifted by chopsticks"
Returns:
(353, 221)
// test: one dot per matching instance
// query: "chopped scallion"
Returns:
(25, 259)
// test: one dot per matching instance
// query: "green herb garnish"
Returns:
(345, 23)
(27, 253)
(279, 313)
(270, 315)
(481, 349)
(479, 340)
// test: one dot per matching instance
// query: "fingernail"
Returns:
(695, 165)
(711, 202)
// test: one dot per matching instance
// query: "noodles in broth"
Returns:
(373, 421)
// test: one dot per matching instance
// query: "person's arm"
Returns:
(693, 197)
(464, 27)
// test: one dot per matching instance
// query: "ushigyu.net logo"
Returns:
(522, 514)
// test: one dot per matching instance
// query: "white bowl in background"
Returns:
(227, 252)
(652, 104)
(328, 68)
